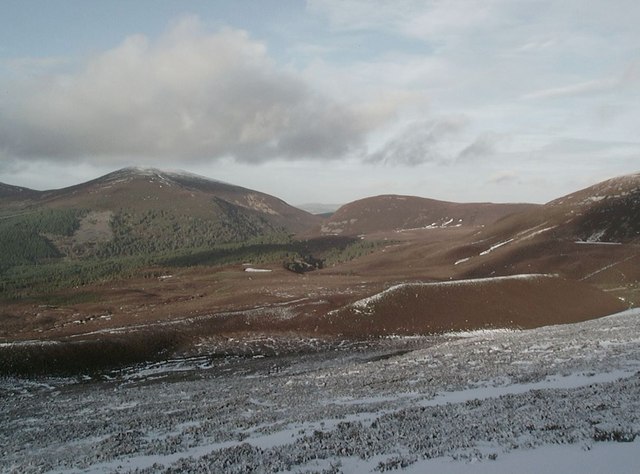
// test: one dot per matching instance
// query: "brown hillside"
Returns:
(205, 304)
(394, 213)
(142, 189)
(510, 302)
(9, 192)
(15, 198)
(606, 212)
(592, 233)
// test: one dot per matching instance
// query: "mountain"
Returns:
(136, 211)
(14, 197)
(143, 263)
(393, 213)
(10, 192)
(143, 189)
(607, 212)
(592, 234)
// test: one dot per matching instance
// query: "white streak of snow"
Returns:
(498, 245)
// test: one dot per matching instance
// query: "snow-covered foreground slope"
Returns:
(558, 399)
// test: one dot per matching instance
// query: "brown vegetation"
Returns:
(399, 213)
(167, 309)
(464, 305)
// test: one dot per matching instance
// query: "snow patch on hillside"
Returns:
(257, 270)
(537, 232)
(496, 246)
(596, 236)
(364, 302)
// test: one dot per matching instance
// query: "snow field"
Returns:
(483, 400)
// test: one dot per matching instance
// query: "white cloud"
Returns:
(505, 49)
(416, 18)
(629, 78)
(582, 88)
(189, 95)
(448, 19)
(358, 80)
(361, 14)
(583, 149)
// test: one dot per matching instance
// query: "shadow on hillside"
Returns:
(88, 356)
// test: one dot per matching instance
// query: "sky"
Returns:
(325, 101)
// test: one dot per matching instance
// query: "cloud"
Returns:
(359, 14)
(583, 148)
(420, 142)
(483, 146)
(452, 18)
(504, 177)
(420, 19)
(630, 77)
(581, 88)
(189, 95)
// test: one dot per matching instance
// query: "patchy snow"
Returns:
(537, 232)
(482, 332)
(496, 389)
(28, 343)
(462, 260)
(607, 267)
(496, 246)
(258, 203)
(257, 270)
(592, 199)
(621, 458)
(553, 399)
(434, 225)
(596, 236)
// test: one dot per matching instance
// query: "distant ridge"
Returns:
(396, 213)
(319, 208)
(10, 192)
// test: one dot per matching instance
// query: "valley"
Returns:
(98, 278)
(319, 237)
(379, 338)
